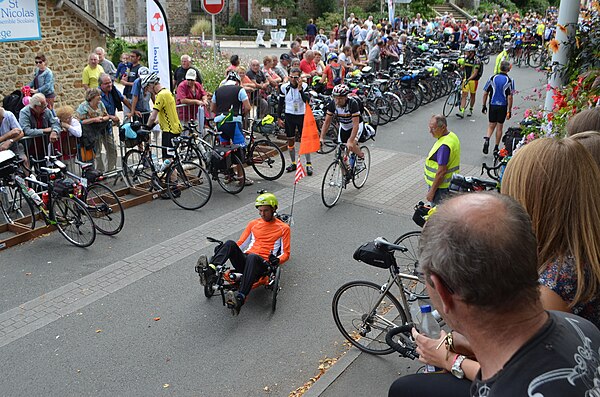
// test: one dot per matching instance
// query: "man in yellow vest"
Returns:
(443, 159)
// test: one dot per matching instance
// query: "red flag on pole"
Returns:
(299, 171)
(309, 142)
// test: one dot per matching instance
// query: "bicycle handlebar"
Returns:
(408, 350)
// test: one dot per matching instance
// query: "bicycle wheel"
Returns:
(363, 316)
(190, 153)
(105, 208)
(395, 105)
(267, 160)
(231, 177)
(408, 263)
(383, 110)
(17, 207)
(190, 187)
(450, 103)
(535, 58)
(275, 288)
(333, 182)
(360, 175)
(74, 221)
(136, 167)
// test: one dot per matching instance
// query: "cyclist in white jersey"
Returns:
(349, 117)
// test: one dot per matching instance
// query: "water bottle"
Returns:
(34, 196)
(156, 161)
(415, 310)
(235, 276)
(352, 160)
(431, 329)
(165, 165)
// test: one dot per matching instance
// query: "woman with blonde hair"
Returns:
(557, 183)
(591, 141)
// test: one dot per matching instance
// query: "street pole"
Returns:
(345, 10)
(214, 40)
(568, 14)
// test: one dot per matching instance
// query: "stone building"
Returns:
(69, 34)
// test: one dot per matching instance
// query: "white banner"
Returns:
(19, 20)
(157, 30)
(391, 7)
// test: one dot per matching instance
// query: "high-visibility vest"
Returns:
(503, 56)
(431, 166)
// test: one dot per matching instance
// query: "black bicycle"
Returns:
(186, 183)
(341, 171)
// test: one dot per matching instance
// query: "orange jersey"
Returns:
(263, 238)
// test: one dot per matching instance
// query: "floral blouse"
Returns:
(561, 277)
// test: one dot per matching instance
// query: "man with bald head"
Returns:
(443, 159)
(480, 271)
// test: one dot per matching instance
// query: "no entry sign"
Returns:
(213, 7)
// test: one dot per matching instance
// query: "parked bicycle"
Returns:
(58, 204)
(365, 311)
(185, 182)
(102, 202)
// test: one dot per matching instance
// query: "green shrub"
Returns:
(228, 30)
(115, 47)
(237, 22)
(200, 26)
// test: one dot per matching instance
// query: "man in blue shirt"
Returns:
(113, 100)
(500, 90)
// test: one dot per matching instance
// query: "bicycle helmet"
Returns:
(506, 45)
(469, 47)
(148, 79)
(232, 75)
(143, 71)
(331, 56)
(266, 199)
(341, 90)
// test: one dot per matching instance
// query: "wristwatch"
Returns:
(456, 366)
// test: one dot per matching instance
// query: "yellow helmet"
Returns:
(266, 199)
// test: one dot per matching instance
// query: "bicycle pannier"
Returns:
(374, 256)
(64, 187)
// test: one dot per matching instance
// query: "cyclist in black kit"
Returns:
(348, 112)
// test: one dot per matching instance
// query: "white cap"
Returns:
(191, 74)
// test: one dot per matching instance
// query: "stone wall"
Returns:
(179, 16)
(66, 41)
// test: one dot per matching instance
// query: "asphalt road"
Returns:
(111, 344)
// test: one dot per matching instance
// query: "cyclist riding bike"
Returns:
(472, 70)
(264, 243)
(348, 112)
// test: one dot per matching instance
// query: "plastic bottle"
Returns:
(156, 162)
(235, 276)
(34, 196)
(352, 159)
(431, 329)
(415, 310)
(165, 165)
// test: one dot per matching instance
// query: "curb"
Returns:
(333, 373)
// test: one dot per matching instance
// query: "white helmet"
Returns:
(143, 71)
(148, 79)
(469, 47)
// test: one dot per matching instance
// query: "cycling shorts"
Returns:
(470, 87)
(497, 113)
(344, 135)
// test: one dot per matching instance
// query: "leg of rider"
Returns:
(229, 250)
(490, 130)
(254, 268)
(499, 127)
(291, 140)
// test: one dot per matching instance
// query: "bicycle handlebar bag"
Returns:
(374, 256)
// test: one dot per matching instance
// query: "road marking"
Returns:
(45, 309)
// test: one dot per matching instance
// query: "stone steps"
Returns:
(459, 14)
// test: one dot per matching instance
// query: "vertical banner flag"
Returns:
(19, 20)
(391, 6)
(159, 48)
(309, 142)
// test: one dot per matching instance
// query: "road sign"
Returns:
(213, 7)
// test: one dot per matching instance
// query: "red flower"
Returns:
(550, 116)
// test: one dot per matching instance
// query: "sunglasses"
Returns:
(294, 77)
(38, 62)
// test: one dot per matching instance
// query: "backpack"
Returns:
(511, 138)
(336, 73)
(13, 102)
(480, 70)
